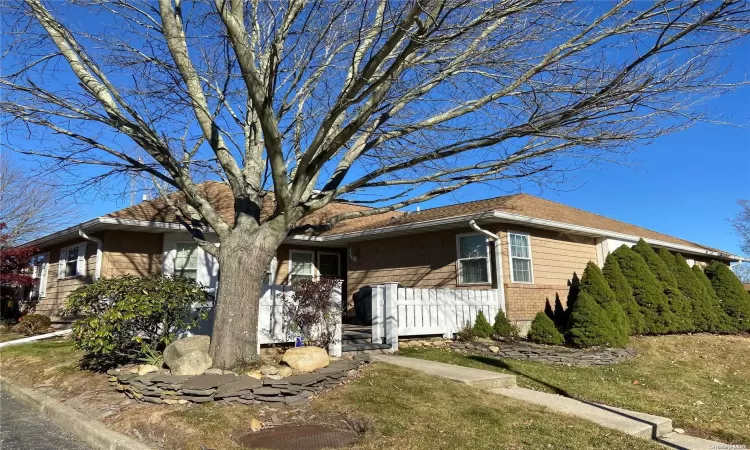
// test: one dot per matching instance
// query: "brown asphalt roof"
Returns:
(522, 204)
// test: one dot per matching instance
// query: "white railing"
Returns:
(273, 325)
(398, 311)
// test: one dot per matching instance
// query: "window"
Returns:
(328, 264)
(520, 258)
(39, 266)
(72, 261)
(473, 262)
(301, 266)
(186, 260)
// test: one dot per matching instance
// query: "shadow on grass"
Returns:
(499, 363)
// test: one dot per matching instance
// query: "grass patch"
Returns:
(701, 382)
(6, 335)
(391, 407)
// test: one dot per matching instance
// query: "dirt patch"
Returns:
(305, 437)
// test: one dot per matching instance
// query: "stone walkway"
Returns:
(636, 424)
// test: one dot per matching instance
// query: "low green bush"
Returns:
(502, 327)
(543, 331)
(735, 300)
(482, 327)
(33, 324)
(129, 318)
(466, 333)
(726, 324)
(589, 325)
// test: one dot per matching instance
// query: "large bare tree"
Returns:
(381, 102)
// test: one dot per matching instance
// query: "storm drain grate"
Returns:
(305, 437)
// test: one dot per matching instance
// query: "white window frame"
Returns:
(40, 290)
(338, 262)
(81, 262)
(198, 255)
(314, 269)
(510, 257)
(272, 272)
(459, 282)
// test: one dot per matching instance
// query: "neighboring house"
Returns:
(542, 245)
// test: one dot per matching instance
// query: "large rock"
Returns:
(193, 363)
(306, 359)
(188, 356)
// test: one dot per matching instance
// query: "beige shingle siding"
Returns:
(59, 289)
(131, 253)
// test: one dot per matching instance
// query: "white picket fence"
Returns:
(273, 324)
(399, 311)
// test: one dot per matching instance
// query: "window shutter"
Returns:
(81, 263)
(43, 276)
(61, 263)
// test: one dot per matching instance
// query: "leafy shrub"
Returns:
(707, 314)
(726, 323)
(543, 331)
(658, 318)
(502, 327)
(482, 327)
(126, 318)
(620, 324)
(313, 312)
(589, 324)
(594, 284)
(678, 303)
(466, 333)
(515, 331)
(735, 300)
(32, 324)
(623, 293)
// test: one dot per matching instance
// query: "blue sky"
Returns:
(686, 184)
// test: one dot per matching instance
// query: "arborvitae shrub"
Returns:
(549, 312)
(594, 284)
(620, 323)
(726, 323)
(735, 300)
(658, 318)
(482, 327)
(678, 303)
(561, 314)
(502, 327)
(589, 325)
(707, 313)
(575, 283)
(623, 293)
(543, 331)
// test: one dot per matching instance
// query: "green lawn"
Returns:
(397, 408)
(701, 381)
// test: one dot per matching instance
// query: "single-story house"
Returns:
(541, 245)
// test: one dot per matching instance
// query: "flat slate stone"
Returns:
(266, 391)
(270, 399)
(208, 381)
(170, 379)
(306, 379)
(295, 400)
(152, 399)
(196, 399)
(198, 392)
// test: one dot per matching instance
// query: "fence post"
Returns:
(376, 311)
(335, 348)
(391, 315)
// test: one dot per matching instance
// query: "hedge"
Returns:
(658, 317)
(735, 300)
(623, 293)
(678, 302)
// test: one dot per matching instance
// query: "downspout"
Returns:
(498, 263)
(99, 251)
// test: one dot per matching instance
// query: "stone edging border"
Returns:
(177, 389)
(546, 354)
(91, 432)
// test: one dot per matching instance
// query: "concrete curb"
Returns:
(39, 337)
(89, 431)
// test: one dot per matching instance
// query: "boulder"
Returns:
(284, 371)
(143, 369)
(192, 363)
(268, 370)
(182, 347)
(306, 359)
(255, 374)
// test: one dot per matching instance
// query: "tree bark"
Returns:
(243, 259)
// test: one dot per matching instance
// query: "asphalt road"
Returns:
(22, 428)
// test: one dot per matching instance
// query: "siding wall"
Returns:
(282, 260)
(59, 289)
(127, 252)
(429, 260)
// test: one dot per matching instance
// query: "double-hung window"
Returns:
(473, 260)
(186, 260)
(519, 245)
(72, 262)
(328, 265)
(301, 265)
(39, 266)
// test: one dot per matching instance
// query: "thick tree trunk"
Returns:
(243, 259)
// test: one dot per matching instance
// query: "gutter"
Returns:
(99, 252)
(498, 263)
